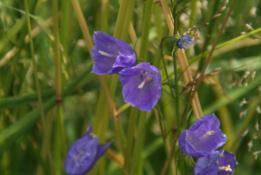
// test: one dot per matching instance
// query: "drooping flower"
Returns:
(83, 154)
(141, 86)
(216, 163)
(203, 137)
(184, 42)
(110, 54)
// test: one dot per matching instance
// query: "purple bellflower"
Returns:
(203, 137)
(141, 86)
(216, 163)
(110, 54)
(83, 154)
(184, 42)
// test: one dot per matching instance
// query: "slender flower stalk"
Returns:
(182, 60)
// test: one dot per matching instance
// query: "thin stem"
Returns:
(196, 58)
(130, 140)
(213, 47)
(193, 13)
(165, 66)
(45, 149)
(137, 162)
(182, 60)
(60, 144)
(83, 24)
(34, 65)
(163, 135)
(145, 30)
(176, 90)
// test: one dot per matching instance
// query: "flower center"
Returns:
(225, 168)
(146, 78)
(209, 133)
(105, 54)
(196, 141)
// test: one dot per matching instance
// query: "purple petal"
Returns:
(226, 163)
(143, 96)
(81, 156)
(216, 163)
(110, 54)
(184, 42)
(124, 48)
(103, 64)
(207, 165)
(105, 42)
(203, 137)
(102, 149)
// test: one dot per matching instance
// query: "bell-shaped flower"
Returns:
(203, 137)
(216, 163)
(83, 154)
(110, 54)
(184, 42)
(141, 86)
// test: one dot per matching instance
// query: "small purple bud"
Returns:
(110, 54)
(141, 86)
(203, 137)
(184, 42)
(83, 154)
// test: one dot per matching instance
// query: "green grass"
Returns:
(48, 97)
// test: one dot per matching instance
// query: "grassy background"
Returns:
(31, 144)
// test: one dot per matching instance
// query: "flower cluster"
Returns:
(83, 154)
(141, 83)
(202, 140)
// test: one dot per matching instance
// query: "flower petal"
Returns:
(216, 163)
(81, 156)
(102, 149)
(226, 163)
(203, 137)
(184, 42)
(110, 54)
(144, 98)
(207, 165)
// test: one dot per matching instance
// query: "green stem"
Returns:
(163, 135)
(26, 122)
(196, 58)
(45, 149)
(5, 39)
(137, 162)
(193, 13)
(130, 139)
(165, 66)
(176, 90)
(60, 144)
(34, 64)
(145, 30)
